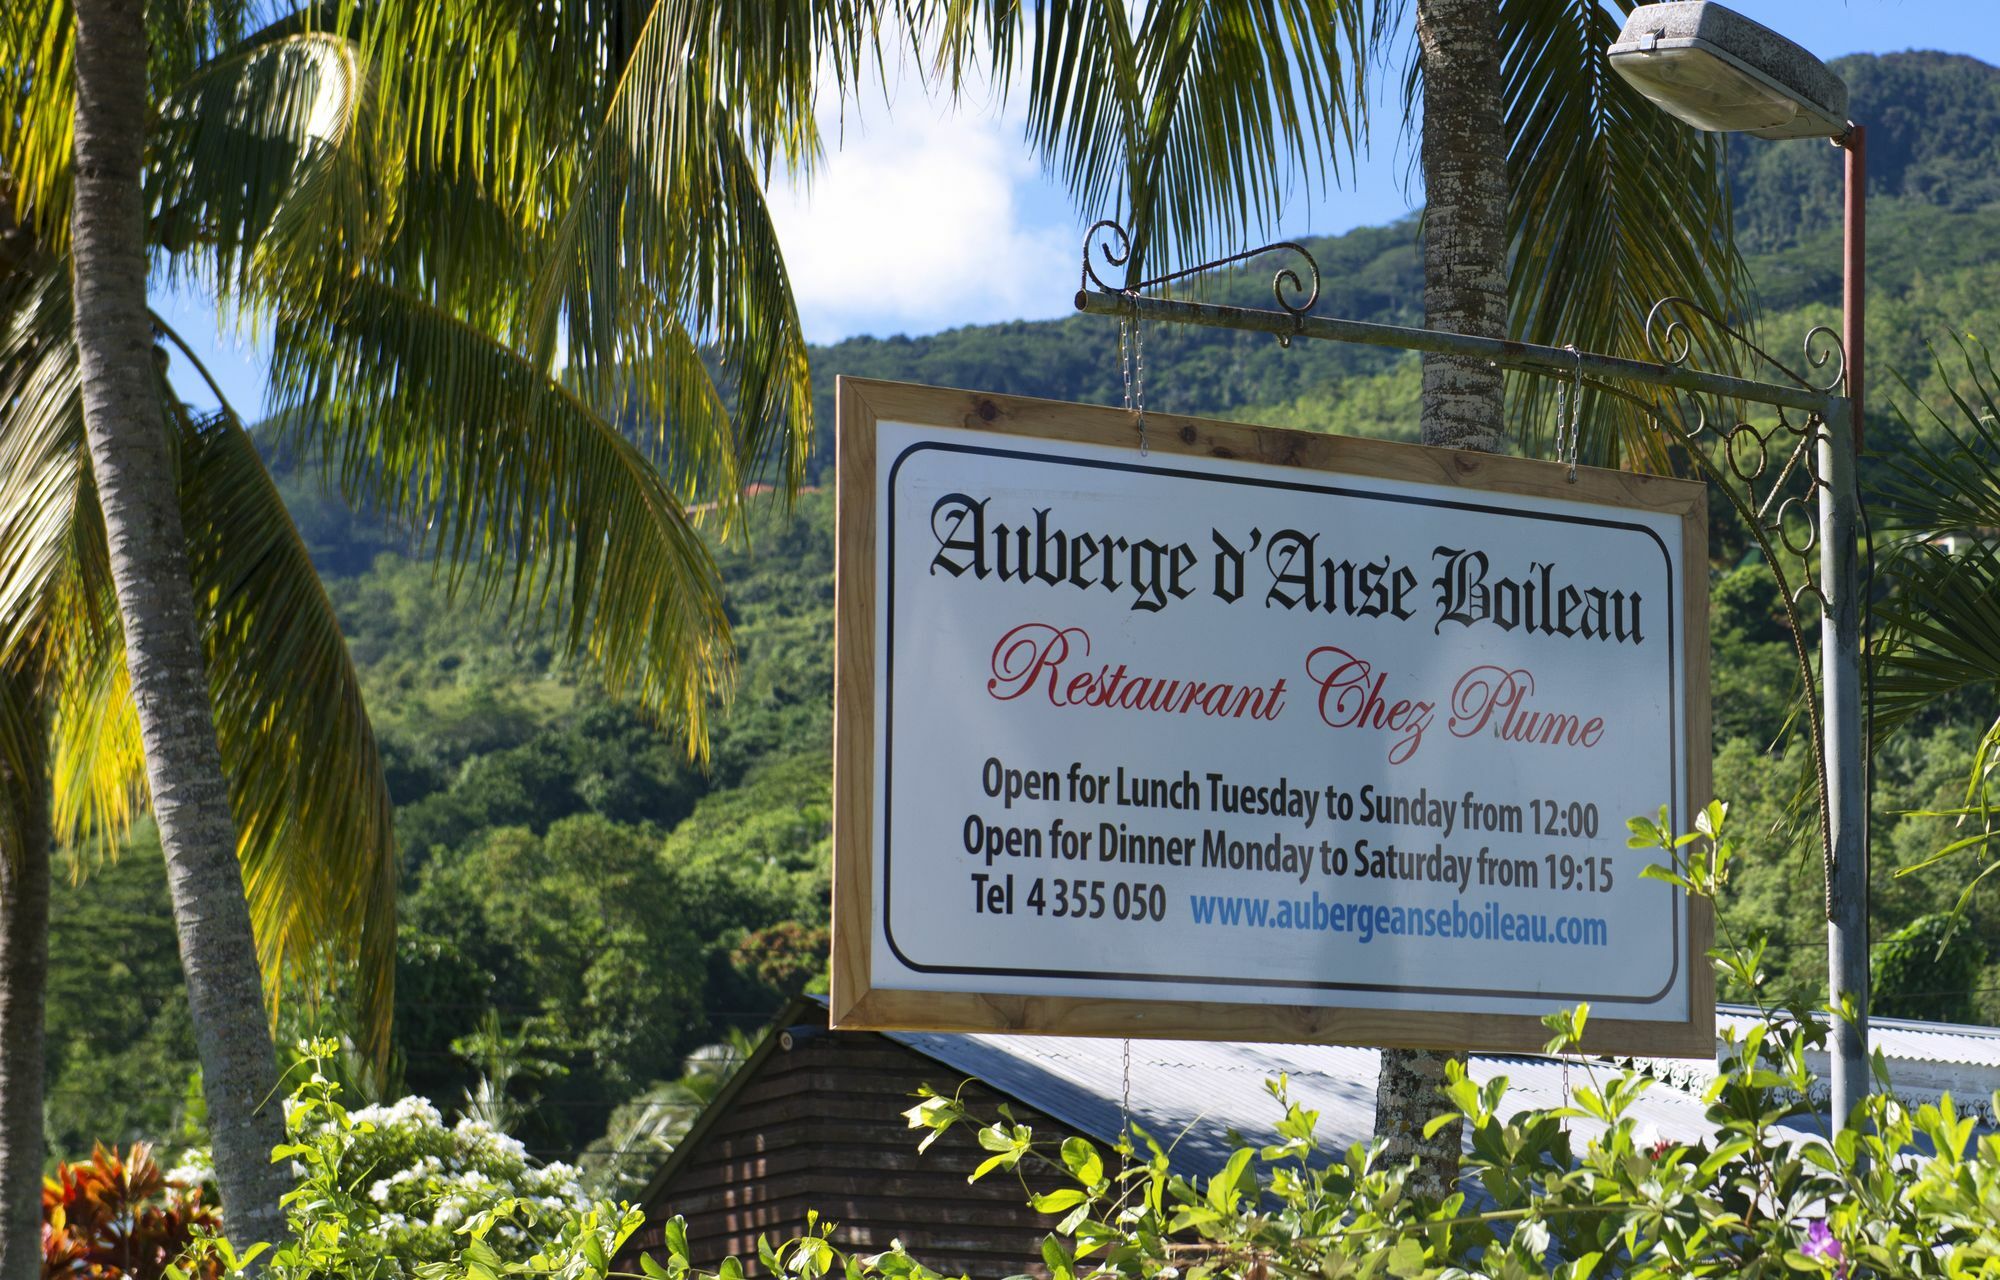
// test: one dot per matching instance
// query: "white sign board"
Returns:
(1166, 731)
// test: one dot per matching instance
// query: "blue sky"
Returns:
(922, 218)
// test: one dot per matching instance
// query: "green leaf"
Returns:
(1058, 1201)
(1226, 1188)
(1061, 1262)
(1080, 1156)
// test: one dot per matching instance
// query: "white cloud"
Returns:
(921, 218)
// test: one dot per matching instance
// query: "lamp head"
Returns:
(1722, 72)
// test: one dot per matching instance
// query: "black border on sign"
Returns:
(887, 552)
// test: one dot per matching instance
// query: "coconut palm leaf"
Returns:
(632, 286)
(41, 427)
(274, 156)
(37, 114)
(1613, 204)
(316, 843)
(650, 213)
(38, 86)
(516, 483)
(1193, 124)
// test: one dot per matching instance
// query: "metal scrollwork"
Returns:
(1779, 505)
(1294, 293)
(1117, 257)
(1822, 348)
(1672, 337)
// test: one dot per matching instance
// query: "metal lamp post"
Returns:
(1720, 71)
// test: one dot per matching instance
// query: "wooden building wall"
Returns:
(820, 1126)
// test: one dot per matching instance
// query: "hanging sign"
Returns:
(1257, 734)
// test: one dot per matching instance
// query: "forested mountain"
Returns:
(584, 906)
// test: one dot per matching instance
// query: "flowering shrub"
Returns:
(402, 1181)
(391, 1191)
(423, 1178)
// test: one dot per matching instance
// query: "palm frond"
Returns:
(38, 113)
(668, 230)
(306, 787)
(97, 762)
(314, 824)
(272, 155)
(514, 481)
(38, 89)
(1613, 205)
(1192, 126)
(41, 434)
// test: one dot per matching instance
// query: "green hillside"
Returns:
(567, 869)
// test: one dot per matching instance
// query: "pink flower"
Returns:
(1821, 1246)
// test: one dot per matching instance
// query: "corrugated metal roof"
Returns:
(1193, 1094)
(1905, 1040)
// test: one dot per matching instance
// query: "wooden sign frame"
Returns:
(857, 1003)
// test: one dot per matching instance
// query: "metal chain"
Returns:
(1132, 364)
(1125, 1095)
(1125, 358)
(1569, 414)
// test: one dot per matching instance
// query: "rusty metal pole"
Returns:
(1854, 262)
(1845, 740)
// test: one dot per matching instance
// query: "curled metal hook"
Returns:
(1117, 257)
(1823, 347)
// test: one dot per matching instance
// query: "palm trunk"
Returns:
(1465, 291)
(24, 977)
(149, 566)
(1465, 216)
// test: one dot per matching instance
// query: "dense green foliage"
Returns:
(1577, 1191)
(120, 1046)
(569, 871)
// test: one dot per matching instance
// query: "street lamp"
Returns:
(1719, 71)
(1722, 72)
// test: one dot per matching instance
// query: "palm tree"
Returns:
(1559, 204)
(24, 960)
(132, 470)
(484, 252)
(315, 845)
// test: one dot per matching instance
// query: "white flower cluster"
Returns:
(424, 1178)
(196, 1167)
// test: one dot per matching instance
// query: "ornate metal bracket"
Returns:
(1299, 304)
(1672, 340)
